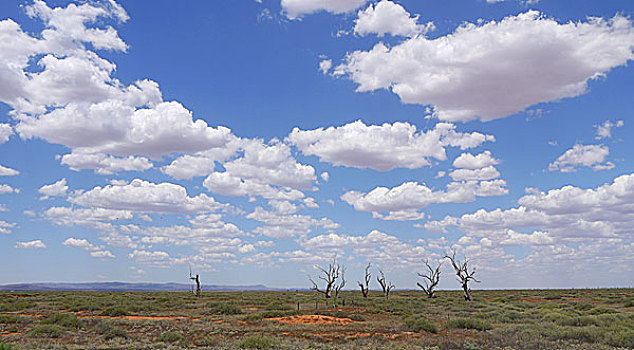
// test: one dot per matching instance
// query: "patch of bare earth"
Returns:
(312, 319)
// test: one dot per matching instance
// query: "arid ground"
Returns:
(518, 319)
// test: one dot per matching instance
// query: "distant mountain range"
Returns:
(126, 287)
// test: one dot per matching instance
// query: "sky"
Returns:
(252, 140)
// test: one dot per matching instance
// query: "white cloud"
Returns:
(605, 130)
(144, 196)
(102, 254)
(154, 258)
(495, 69)
(383, 147)
(582, 155)
(298, 8)
(487, 173)
(402, 201)
(37, 244)
(80, 243)
(566, 214)
(376, 246)
(469, 161)
(387, 17)
(4, 171)
(93, 217)
(267, 170)
(58, 188)
(72, 99)
(203, 163)
(5, 131)
(5, 227)
(325, 65)
(284, 225)
(325, 176)
(4, 188)
(105, 164)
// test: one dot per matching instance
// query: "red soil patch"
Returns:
(30, 315)
(312, 319)
(10, 333)
(533, 300)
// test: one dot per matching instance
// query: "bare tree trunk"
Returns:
(197, 279)
(462, 271)
(430, 279)
(330, 276)
(386, 286)
(365, 289)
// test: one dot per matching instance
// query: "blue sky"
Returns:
(253, 140)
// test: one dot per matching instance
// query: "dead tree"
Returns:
(365, 289)
(197, 280)
(386, 286)
(462, 271)
(330, 277)
(430, 279)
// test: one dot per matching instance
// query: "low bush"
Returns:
(223, 309)
(109, 330)
(469, 323)
(47, 331)
(115, 311)
(169, 337)
(258, 342)
(418, 323)
(63, 320)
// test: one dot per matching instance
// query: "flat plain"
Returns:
(502, 319)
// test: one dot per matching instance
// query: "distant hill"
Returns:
(126, 287)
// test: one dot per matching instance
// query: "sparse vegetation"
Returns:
(531, 319)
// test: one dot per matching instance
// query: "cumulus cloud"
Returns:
(487, 173)
(4, 188)
(58, 188)
(493, 70)
(62, 92)
(567, 213)
(79, 243)
(154, 258)
(383, 147)
(325, 65)
(376, 246)
(403, 201)
(266, 170)
(144, 196)
(5, 131)
(4, 171)
(592, 156)
(5, 227)
(91, 217)
(37, 244)
(286, 225)
(605, 130)
(471, 162)
(105, 164)
(387, 17)
(298, 8)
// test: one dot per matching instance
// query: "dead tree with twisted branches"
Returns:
(462, 271)
(386, 286)
(365, 288)
(430, 279)
(330, 276)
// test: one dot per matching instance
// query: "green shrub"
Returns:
(418, 323)
(47, 330)
(63, 320)
(169, 337)
(257, 342)
(223, 309)
(9, 319)
(279, 306)
(6, 347)
(469, 323)
(115, 311)
(109, 330)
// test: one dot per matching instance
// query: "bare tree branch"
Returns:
(365, 289)
(386, 286)
(330, 276)
(462, 271)
(430, 279)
